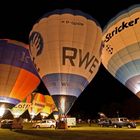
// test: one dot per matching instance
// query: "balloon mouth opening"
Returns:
(7, 105)
(64, 103)
(2, 110)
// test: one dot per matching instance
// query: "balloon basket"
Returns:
(62, 125)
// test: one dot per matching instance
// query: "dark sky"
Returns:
(104, 93)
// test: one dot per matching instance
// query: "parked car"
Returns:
(6, 124)
(49, 123)
(12, 124)
(121, 122)
(117, 122)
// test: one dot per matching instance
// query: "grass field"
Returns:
(77, 133)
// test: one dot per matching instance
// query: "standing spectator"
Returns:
(57, 124)
(89, 122)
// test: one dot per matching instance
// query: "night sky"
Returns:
(104, 93)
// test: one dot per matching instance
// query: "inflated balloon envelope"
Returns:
(20, 108)
(65, 48)
(121, 52)
(49, 105)
(18, 77)
(37, 103)
(40, 103)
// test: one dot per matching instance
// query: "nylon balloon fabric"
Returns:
(121, 52)
(65, 48)
(18, 76)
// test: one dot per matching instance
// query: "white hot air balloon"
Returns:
(65, 48)
(121, 52)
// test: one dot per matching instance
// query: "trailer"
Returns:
(71, 121)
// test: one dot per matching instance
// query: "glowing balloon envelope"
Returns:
(2, 110)
(18, 77)
(40, 103)
(121, 52)
(20, 108)
(49, 106)
(65, 48)
(37, 104)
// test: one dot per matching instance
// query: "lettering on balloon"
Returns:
(35, 47)
(64, 83)
(24, 58)
(23, 106)
(71, 55)
(124, 25)
(72, 22)
(109, 49)
(39, 105)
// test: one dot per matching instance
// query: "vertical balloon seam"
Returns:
(74, 17)
(87, 22)
(23, 82)
(83, 83)
(21, 67)
(60, 42)
(129, 16)
(96, 53)
(9, 73)
(138, 7)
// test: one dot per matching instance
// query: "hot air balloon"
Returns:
(40, 103)
(21, 107)
(65, 49)
(121, 49)
(18, 77)
(37, 101)
(49, 106)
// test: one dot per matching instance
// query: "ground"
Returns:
(82, 132)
